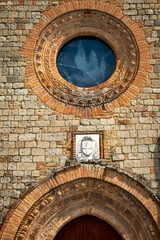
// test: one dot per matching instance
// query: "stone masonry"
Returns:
(35, 139)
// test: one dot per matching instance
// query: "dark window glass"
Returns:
(86, 61)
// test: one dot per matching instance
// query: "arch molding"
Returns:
(104, 192)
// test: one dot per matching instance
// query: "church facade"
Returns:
(80, 119)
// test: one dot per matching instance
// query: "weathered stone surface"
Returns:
(26, 137)
(53, 136)
(35, 139)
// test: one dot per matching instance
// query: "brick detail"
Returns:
(106, 182)
(49, 91)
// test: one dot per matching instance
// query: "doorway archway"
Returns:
(88, 227)
(104, 192)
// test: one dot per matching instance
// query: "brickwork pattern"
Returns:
(36, 139)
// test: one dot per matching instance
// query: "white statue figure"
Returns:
(87, 149)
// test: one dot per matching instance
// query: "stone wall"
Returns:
(36, 139)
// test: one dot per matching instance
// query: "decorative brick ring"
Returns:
(106, 193)
(73, 19)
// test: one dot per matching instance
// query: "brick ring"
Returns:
(61, 24)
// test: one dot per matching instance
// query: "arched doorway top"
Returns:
(88, 227)
(89, 189)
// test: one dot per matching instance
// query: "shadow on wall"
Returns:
(157, 165)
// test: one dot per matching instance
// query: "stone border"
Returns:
(49, 191)
(55, 100)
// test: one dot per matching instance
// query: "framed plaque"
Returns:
(87, 146)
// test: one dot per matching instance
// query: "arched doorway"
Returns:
(81, 190)
(88, 227)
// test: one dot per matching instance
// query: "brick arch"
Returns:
(126, 38)
(74, 191)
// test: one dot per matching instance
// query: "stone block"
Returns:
(147, 120)
(154, 184)
(26, 159)
(118, 157)
(12, 166)
(9, 193)
(29, 26)
(135, 156)
(31, 144)
(94, 121)
(55, 151)
(129, 141)
(4, 15)
(43, 144)
(133, 133)
(145, 170)
(142, 133)
(123, 121)
(84, 122)
(157, 102)
(18, 85)
(2, 79)
(37, 151)
(27, 137)
(18, 185)
(25, 151)
(110, 121)
(13, 152)
(91, 128)
(129, 164)
(22, 112)
(38, 158)
(152, 133)
(13, 137)
(156, 69)
(147, 162)
(29, 104)
(18, 173)
(12, 79)
(3, 166)
(35, 173)
(3, 152)
(53, 136)
(57, 123)
(122, 134)
(42, 123)
(4, 105)
(126, 149)
(142, 149)
(26, 166)
(35, 14)
(148, 102)
(157, 23)
(154, 148)
(21, 14)
(130, 12)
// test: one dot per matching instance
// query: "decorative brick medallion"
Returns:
(65, 22)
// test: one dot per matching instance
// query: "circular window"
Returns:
(86, 61)
(83, 76)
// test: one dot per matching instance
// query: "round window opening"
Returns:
(86, 62)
